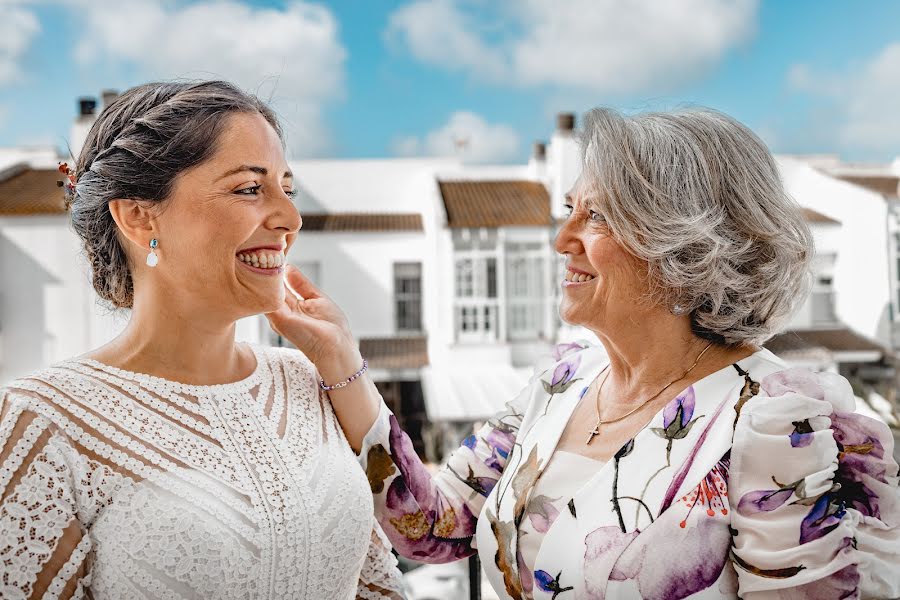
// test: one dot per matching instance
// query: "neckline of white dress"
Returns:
(240, 385)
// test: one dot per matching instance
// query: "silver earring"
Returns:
(678, 310)
(152, 258)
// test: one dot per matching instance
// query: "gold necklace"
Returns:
(596, 430)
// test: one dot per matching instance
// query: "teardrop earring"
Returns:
(152, 258)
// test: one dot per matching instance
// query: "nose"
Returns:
(567, 240)
(285, 215)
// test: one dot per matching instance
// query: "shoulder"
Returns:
(290, 363)
(42, 387)
(283, 356)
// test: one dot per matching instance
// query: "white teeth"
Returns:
(573, 277)
(262, 261)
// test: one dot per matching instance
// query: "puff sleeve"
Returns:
(813, 489)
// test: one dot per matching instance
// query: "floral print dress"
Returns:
(757, 481)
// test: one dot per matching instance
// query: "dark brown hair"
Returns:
(136, 149)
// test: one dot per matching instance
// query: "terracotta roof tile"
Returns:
(812, 216)
(495, 203)
(395, 352)
(840, 339)
(30, 191)
(361, 222)
(886, 185)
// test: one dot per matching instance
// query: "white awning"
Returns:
(470, 393)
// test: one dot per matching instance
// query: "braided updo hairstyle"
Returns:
(136, 149)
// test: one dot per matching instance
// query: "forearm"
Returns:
(356, 405)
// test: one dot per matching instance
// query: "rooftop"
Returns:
(812, 216)
(357, 221)
(839, 339)
(395, 352)
(495, 203)
(27, 191)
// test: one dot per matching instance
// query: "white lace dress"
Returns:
(120, 485)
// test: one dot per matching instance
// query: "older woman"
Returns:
(174, 462)
(679, 459)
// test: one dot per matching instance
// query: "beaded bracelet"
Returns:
(346, 382)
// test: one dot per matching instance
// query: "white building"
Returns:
(446, 272)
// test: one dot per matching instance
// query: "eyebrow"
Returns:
(253, 169)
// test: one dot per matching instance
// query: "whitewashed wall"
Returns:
(48, 309)
(861, 276)
(356, 271)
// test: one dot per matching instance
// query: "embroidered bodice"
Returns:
(117, 485)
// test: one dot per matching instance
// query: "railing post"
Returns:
(474, 577)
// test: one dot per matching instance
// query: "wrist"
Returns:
(340, 366)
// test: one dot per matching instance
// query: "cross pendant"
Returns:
(595, 431)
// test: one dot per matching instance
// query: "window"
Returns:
(526, 290)
(408, 296)
(822, 296)
(476, 309)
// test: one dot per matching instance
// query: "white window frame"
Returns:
(527, 290)
(476, 305)
(412, 299)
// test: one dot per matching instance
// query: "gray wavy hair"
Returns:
(698, 196)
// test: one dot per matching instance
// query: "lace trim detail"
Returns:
(68, 570)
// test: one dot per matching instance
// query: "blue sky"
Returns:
(371, 79)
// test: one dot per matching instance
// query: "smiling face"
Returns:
(225, 228)
(604, 284)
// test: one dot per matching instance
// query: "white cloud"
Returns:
(467, 136)
(294, 50)
(865, 100)
(18, 27)
(609, 46)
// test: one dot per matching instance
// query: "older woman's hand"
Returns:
(316, 325)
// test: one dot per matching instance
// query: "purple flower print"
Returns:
(765, 500)
(677, 416)
(802, 436)
(563, 350)
(501, 439)
(860, 461)
(680, 409)
(826, 514)
(563, 376)
(701, 549)
(550, 584)
(542, 513)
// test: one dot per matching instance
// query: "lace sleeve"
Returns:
(43, 546)
(380, 578)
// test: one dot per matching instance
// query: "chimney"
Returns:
(563, 161)
(108, 96)
(565, 121)
(87, 109)
(87, 106)
(537, 164)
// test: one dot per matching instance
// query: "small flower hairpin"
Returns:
(69, 172)
(68, 184)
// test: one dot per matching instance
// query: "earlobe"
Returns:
(134, 219)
